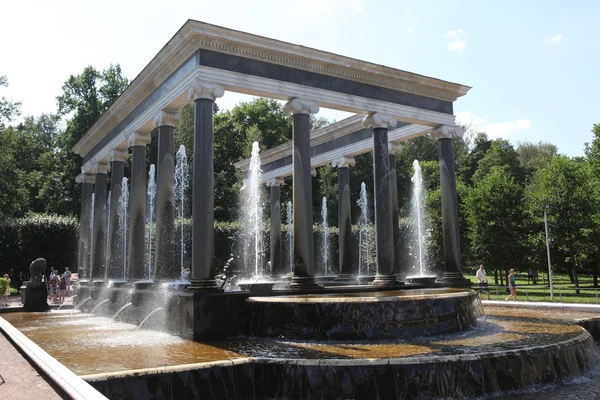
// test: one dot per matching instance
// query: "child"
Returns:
(7, 292)
(62, 289)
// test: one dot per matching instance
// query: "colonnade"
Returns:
(96, 267)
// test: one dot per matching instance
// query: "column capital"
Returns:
(447, 132)
(274, 182)
(379, 120)
(166, 118)
(343, 162)
(139, 139)
(313, 171)
(394, 147)
(300, 106)
(85, 178)
(204, 90)
(101, 168)
(118, 155)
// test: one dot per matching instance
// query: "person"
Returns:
(62, 289)
(512, 285)
(67, 276)
(6, 292)
(53, 286)
(483, 283)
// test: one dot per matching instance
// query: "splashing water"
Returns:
(325, 247)
(419, 235)
(364, 221)
(107, 232)
(123, 228)
(252, 217)
(151, 198)
(290, 235)
(180, 188)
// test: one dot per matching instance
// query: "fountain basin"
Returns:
(422, 279)
(257, 287)
(359, 316)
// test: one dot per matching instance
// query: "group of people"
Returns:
(485, 287)
(58, 285)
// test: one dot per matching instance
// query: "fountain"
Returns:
(180, 188)
(419, 234)
(123, 225)
(150, 216)
(290, 235)
(325, 242)
(364, 248)
(107, 239)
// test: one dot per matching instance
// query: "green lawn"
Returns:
(564, 290)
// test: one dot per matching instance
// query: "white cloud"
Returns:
(554, 39)
(458, 40)
(332, 7)
(412, 21)
(410, 29)
(503, 130)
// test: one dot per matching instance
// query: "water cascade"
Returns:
(419, 234)
(80, 304)
(150, 216)
(107, 239)
(325, 247)
(98, 305)
(121, 309)
(290, 235)
(149, 315)
(252, 217)
(88, 272)
(65, 302)
(181, 188)
(364, 255)
(123, 226)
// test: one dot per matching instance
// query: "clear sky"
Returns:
(533, 65)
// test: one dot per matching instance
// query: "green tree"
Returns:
(8, 108)
(500, 154)
(535, 156)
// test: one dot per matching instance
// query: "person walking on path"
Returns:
(6, 292)
(512, 285)
(483, 283)
(67, 276)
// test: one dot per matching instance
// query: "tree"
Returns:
(494, 215)
(8, 108)
(500, 154)
(86, 97)
(534, 157)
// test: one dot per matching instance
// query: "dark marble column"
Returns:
(384, 230)
(137, 207)
(116, 251)
(453, 275)
(166, 267)
(275, 239)
(304, 253)
(85, 233)
(393, 148)
(347, 267)
(203, 197)
(99, 241)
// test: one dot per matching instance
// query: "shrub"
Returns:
(3, 285)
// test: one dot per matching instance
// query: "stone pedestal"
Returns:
(36, 299)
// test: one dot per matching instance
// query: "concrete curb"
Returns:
(74, 387)
(543, 306)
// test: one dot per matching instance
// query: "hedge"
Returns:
(52, 237)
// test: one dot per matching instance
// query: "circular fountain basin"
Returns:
(358, 316)
(422, 279)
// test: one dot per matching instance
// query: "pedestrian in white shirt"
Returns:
(483, 283)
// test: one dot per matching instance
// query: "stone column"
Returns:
(166, 267)
(275, 243)
(384, 229)
(203, 197)
(347, 268)
(99, 240)
(304, 252)
(394, 148)
(453, 275)
(137, 207)
(116, 252)
(85, 233)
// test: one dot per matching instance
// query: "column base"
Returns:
(302, 283)
(385, 280)
(455, 279)
(204, 285)
(99, 283)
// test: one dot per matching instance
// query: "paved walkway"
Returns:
(18, 379)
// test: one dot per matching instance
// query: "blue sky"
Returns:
(533, 65)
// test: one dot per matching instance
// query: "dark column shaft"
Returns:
(344, 223)
(275, 245)
(203, 241)
(450, 231)
(383, 204)
(302, 198)
(115, 231)
(85, 234)
(166, 267)
(137, 214)
(395, 221)
(99, 246)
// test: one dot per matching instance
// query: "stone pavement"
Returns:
(18, 379)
